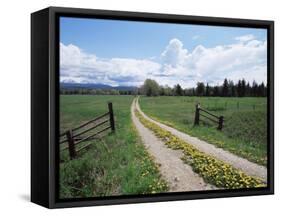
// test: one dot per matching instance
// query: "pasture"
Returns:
(245, 127)
(117, 164)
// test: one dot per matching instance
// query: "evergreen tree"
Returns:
(178, 90)
(243, 87)
(248, 90)
(207, 90)
(225, 88)
(239, 88)
(232, 90)
(254, 89)
(216, 91)
(262, 90)
(200, 90)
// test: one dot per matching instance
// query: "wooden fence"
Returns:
(73, 137)
(206, 114)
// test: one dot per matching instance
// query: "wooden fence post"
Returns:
(220, 123)
(111, 116)
(197, 114)
(71, 144)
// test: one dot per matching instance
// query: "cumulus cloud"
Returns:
(174, 54)
(79, 66)
(214, 64)
(244, 59)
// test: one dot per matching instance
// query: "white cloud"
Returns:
(79, 66)
(245, 38)
(174, 54)
(245, 59)
(214, 64)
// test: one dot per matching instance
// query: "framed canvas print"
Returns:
(139, 107)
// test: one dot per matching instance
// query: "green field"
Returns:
(245, 129)
(118, 164)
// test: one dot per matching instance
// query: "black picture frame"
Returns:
(45, 105)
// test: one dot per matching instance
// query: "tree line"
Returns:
(151, 88)
(227, 89)
(89, 91)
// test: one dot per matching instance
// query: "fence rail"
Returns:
(212, 117)
(73, 137)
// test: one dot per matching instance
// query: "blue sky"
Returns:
(171, 51)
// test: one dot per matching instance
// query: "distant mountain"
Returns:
(72, 85)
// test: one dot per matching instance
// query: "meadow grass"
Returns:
(117, 164)
(245, 128)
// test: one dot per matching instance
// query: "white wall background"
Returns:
(15, 106)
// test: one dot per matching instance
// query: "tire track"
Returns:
(242, 164)
(179, 176)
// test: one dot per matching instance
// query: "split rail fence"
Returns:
(98, 125)
(210, 116)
